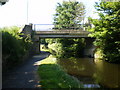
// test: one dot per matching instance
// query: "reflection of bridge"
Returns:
(66, 33)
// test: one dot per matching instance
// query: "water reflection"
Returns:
(105, 73)
(79, 67)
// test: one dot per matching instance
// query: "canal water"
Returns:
(93, 72)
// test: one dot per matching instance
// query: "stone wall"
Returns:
(27, 31)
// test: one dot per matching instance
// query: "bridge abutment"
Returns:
(89, 47)
(28, 32)
(36, 45)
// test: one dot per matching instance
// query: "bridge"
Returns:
(62, 34)
(55, 33)
(51, 32)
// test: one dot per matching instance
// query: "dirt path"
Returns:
(25, 75)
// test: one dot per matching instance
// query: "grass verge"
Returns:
(53, 76)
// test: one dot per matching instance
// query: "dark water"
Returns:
(93, 72)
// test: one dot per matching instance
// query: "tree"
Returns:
(107, 30)
(69, 14)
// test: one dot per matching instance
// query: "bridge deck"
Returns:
(62, 33)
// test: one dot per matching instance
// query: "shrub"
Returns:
(14, 47)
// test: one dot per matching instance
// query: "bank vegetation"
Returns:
(15, 49)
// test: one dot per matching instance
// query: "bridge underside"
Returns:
(89, 47)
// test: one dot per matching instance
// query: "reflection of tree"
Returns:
(107, 74)
(79, 67)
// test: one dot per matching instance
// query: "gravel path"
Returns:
(25, 75)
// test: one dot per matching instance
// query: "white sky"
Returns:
(14, 12)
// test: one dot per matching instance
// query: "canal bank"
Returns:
(92, 72)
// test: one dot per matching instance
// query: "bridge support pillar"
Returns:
(89, 48)
(36, 46)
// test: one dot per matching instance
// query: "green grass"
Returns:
(43, 48)
(53, 76)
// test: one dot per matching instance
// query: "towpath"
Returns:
(24, 75)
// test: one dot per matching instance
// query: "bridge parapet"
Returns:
(50, 27)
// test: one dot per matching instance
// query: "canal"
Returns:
(93, 72)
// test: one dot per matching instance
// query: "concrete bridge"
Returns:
(62, 34)
(36, 35)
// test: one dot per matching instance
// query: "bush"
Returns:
(14, 47)
(67, 47)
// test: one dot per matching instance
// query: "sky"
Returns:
(21, 12)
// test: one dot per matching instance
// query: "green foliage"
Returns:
(43, 41)
(14, 47)
(53, 76)
(66, 48)
(72, 48)
(69, 14)
(107, 30)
